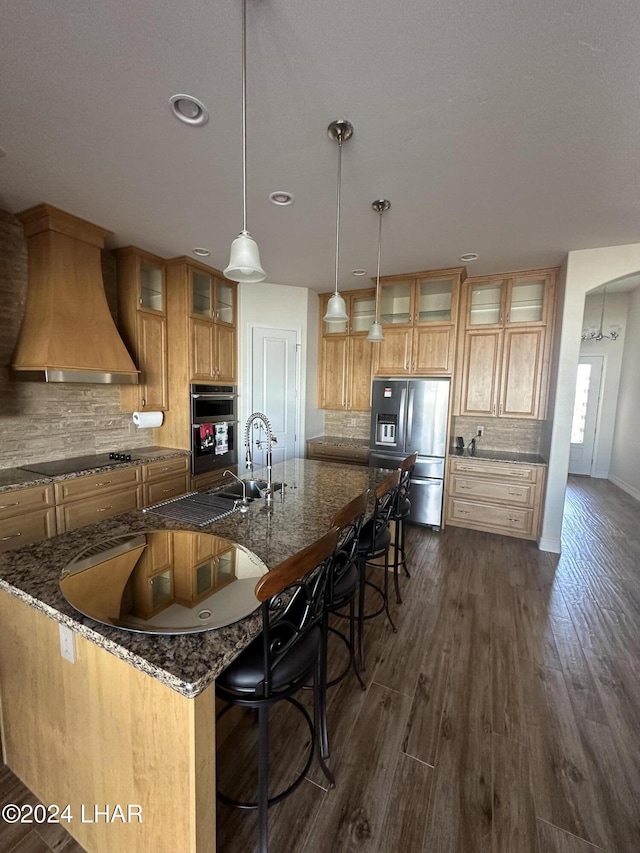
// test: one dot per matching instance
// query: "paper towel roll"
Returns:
(146, 420)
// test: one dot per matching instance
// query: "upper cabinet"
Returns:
(344, 366)
(143, 324)
(503, 366)
(212, 307)
(419, 316)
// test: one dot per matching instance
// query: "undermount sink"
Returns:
(255, 489)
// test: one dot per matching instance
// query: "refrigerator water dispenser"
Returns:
(386, 428)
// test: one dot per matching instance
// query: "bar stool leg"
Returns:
(263, 778)
(396, 560)
(352, 643)
(362, 570)
(320, 721)
(386, 592)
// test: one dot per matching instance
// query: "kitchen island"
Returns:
(132, 721)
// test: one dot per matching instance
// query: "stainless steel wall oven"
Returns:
(214, 427)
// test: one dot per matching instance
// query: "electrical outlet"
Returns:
(480, 430)
(67, 644)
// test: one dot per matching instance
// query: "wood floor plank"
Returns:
(460, 815)
(563, 791)
(514, 818)
(534, 637)
(603, 632)
(554, 840)
(578, 678)
(351, 817)
(31, 843)
(405, 818)
(618, 683)
(507, 702)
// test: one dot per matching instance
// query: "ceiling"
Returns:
(510, 129)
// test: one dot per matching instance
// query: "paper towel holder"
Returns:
(148, 420)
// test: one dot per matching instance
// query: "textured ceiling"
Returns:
(511, 129)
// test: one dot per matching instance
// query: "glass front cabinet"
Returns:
(213, 321)
(504, 352)
(419, 317)
(346, 356)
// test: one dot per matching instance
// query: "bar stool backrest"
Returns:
(349, 522)
(386, 494)
(293, 600)
(404, 487)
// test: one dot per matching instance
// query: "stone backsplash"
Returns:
(42, 421)
(500, 433)
(347, 424)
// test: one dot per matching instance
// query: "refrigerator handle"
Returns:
(403, 396)
(410, 418)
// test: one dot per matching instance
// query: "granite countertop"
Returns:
(190, 662)
(19, 478)
(510, 456)
(341, 441)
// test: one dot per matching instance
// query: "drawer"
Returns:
(501, 519)
(29, 527)
(20, 501)
(515, 494)
(94, 484)
(163, 490)
(93, 509)
(503, 470)
(165, 468)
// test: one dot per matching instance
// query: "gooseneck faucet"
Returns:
(271, 440)
(244, 503)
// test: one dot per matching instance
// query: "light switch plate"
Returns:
(67, 644)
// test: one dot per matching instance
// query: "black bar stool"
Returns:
(343, 587)
(281, 659)
(374, 543)
(401, 511)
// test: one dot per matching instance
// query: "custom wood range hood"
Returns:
(68, 333)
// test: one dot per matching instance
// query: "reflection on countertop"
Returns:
(513, 457)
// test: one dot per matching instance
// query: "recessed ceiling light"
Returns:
(469, 257)
(189, 109)
(281, 197)
(358, 272)
(201, 253)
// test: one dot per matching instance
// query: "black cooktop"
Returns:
(78, 463)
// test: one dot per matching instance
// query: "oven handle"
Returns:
(213, 396)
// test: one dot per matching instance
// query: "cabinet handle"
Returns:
(13, 536)
(414, 367)
(410, 317)
(514, 494)
(463, 512)
(140, 300)
(508, 317)
(106, 483)
(513, 520)
(144, 402)
(493, 409)
(500, 408)
(500, 318)
(104, 509)
(464, 488)
(6, 506)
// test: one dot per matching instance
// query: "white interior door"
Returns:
(274, 387)
(585, 414)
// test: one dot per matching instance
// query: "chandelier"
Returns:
(594, 333)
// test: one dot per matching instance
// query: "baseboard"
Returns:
(550, 544)
(625, 487)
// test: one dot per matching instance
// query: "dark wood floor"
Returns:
(503, 717)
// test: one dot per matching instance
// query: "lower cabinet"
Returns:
(338, 453)
(498, 497)
(165, 479)
(26, 515)
(88, 499)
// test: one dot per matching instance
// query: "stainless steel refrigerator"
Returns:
(410, 416)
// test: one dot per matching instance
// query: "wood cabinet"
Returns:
(504, 353)
(201, 320)
(203, 565)
(142, 321)
(26, 515)
(337, 453)
(165, 479)
(345, 362)
(94, 497)
(498, 497)
(419, 317)
(152, 579)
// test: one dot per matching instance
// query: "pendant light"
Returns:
(244, 260)
(375, 332)
(339, 131)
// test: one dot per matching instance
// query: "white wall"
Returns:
(616, 314)
(584, 271)
(314, 417)
(279, 306)
(625, 459)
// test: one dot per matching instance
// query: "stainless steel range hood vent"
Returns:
(68, 333)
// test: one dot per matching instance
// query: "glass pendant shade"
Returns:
(244, 260)
(336, 310)
(375, 332)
